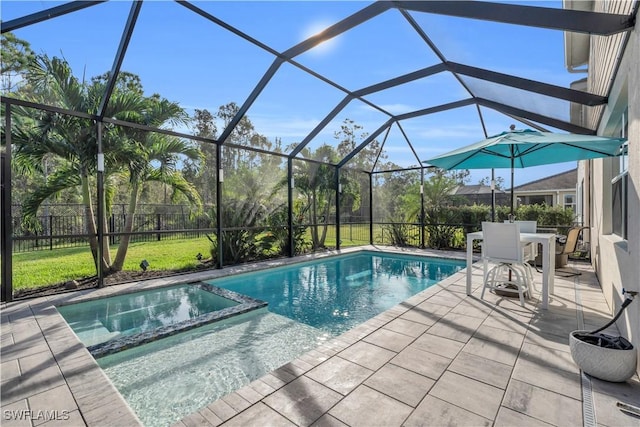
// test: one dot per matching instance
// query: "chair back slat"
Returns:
(526, 226)
(502, 241)
(572, 240)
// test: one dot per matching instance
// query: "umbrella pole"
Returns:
(493, 195)
(512, 218)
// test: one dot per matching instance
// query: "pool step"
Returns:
(91, 333)
(355, 276)
(360, 278)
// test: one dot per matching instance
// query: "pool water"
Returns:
(309, 303)
(167, 380)
(105, 319)
(339, 293)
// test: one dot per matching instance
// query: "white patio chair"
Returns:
(530, 249)
(502, 246)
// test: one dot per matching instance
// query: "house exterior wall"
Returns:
(631, 277)
(616, 260)
(606, 50)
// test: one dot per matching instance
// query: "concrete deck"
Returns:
(438, 358)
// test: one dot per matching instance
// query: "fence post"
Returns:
(6, 221)
(112, 227)
(183, 223)
(422, 208)
(370, 208)
(124, 221)
(50, 232)
(158, 225)
(290, 188)
(338, 189)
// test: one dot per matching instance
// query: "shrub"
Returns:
(243, 239)
(472, 216)
(400, 233)
(280, 232)
(440, 236)
(551, 216)
(441, 225)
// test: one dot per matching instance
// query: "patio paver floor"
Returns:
(439, 358)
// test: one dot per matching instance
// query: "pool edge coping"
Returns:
(76, 364)
(309, 360)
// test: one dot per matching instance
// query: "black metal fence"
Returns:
(68, 227)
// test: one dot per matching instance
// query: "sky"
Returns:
(189, 60)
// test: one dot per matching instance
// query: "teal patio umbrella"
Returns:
(524, 148)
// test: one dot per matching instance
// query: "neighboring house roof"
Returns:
(465, 190)
(562, 181)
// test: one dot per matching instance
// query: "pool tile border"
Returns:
(246, 305)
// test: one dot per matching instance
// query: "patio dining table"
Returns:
(546, 240)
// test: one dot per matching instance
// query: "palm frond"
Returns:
(62, 179)
(161, 111)
(178, 184)
(165, 148)
(110, 189)
(55, 83)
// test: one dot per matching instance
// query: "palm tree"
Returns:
(316, 182)
(437, 195)
(155, 160)
(73, 139)
(41, 133)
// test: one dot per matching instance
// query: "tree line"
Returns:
(55, 156)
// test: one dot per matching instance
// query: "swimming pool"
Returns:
(309, 303)
(108, 325)
(336, 294)
(166, 380)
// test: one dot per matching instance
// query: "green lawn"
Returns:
(41, 268)
(350, 235)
